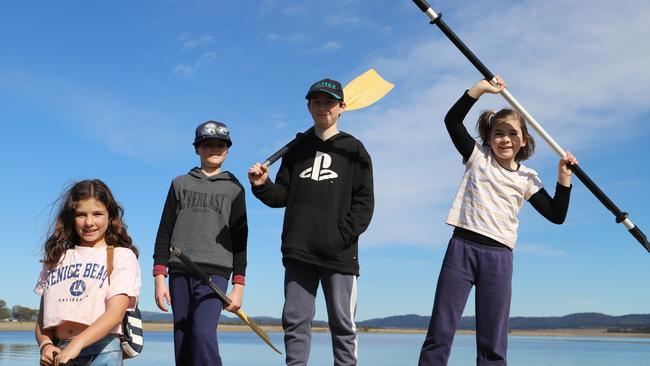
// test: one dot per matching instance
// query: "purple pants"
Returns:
(468, 264)
(196, 310)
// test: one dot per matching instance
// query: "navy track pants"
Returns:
(468, 264)
(196, 310)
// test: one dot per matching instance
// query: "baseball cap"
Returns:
(212, 130)
(329, 86)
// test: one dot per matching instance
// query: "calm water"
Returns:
(244, 349)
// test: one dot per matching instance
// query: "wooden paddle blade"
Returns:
(361, 92)
(259, 331)
(365, 90)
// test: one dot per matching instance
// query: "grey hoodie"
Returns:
(205, 217)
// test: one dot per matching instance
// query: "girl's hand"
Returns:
(235, 297)
(47, 356)
(258, 174)
(70, 352)
(162, 293)
(564, 172)
(483, 86)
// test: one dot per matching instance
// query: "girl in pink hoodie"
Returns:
(81, 308)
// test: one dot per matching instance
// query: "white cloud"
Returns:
(286, 8)
(188, 71)
(290, 9)
(295, 37)
(331, 46)
(280, 120)
(202, 41)
(344, 19)
(184, 70)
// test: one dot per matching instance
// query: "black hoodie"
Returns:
(327, 189)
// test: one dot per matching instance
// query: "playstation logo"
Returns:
(319, 170)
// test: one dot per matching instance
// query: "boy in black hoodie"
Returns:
(205, 217)
(325, 183)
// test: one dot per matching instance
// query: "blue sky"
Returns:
(114, 90)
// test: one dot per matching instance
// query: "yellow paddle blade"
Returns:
(259, 331)
(365, 90)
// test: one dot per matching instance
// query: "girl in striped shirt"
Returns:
(484, 216)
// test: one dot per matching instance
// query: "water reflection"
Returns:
(245, 349)
(17, 351)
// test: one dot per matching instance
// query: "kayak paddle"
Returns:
(621, 217)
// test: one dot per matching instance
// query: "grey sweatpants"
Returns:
(300, 286)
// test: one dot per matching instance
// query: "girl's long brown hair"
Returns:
(62, 233)
(488, 119)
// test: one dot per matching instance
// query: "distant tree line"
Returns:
(4, 310)
(17, 312)
(629, 330)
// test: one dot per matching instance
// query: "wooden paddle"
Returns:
(196, 271)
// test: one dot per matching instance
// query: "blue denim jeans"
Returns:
(105, 352)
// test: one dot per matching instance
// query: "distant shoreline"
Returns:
(167, 327)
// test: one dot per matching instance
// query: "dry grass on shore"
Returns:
(167, 327)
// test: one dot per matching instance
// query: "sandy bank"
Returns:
(167, 327)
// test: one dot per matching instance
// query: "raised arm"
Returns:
(462, 140)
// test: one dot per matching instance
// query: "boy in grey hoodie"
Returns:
(205, 217)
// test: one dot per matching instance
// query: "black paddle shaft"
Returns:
(621, 217)
(278, 154)
(196, 271)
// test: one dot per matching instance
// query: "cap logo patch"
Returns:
(325, 84)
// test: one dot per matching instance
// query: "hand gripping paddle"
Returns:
(196, 271)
